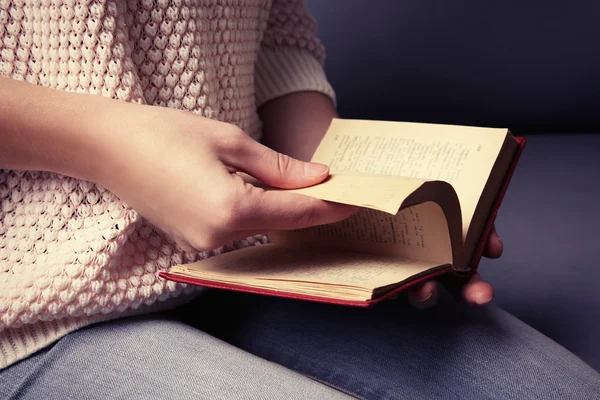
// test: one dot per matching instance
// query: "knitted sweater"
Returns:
(71, 253)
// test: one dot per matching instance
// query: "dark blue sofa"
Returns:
(531, 66)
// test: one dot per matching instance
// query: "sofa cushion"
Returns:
(526, 63)
(549, 275)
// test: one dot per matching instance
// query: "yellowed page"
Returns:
(384, 193)
(286, 268)
(462, 156)
(416, 233)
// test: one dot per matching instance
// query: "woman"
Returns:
(121, 123)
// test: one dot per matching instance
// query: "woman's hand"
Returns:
(178, 170)
(174, 168)
(476, 292)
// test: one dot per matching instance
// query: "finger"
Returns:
(494, 245)
(271, 210)
(423, 296)
(477, 291)
(276, 169)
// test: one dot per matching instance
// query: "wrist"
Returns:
(44, 129)
(86, 142)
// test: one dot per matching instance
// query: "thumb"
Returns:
(277, 169)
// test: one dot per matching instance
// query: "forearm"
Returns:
(49, 130)
(296, 123)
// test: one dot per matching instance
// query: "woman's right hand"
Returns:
(174, 168)
(178, 171)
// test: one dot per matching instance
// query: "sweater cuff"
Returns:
(287, 70)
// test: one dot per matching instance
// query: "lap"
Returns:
(152, 357)
(396, 351)
(229, 345)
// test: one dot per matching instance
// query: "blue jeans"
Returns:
(236, 346)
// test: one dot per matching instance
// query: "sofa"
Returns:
(531, 67)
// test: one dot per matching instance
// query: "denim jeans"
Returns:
(237, 346)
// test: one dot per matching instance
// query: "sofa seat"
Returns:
(549, 275)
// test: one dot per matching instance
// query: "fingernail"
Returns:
(424, 303)
(423, 300)
(315, 170)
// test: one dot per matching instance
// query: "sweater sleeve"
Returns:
(292, 57)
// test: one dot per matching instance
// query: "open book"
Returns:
(428, 194)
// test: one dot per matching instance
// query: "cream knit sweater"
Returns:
(71, 253)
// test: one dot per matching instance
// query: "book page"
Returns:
(332, 267)
(419, 232)
(384, 193)
(461, 156)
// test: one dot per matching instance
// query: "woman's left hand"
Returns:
(476, 291)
